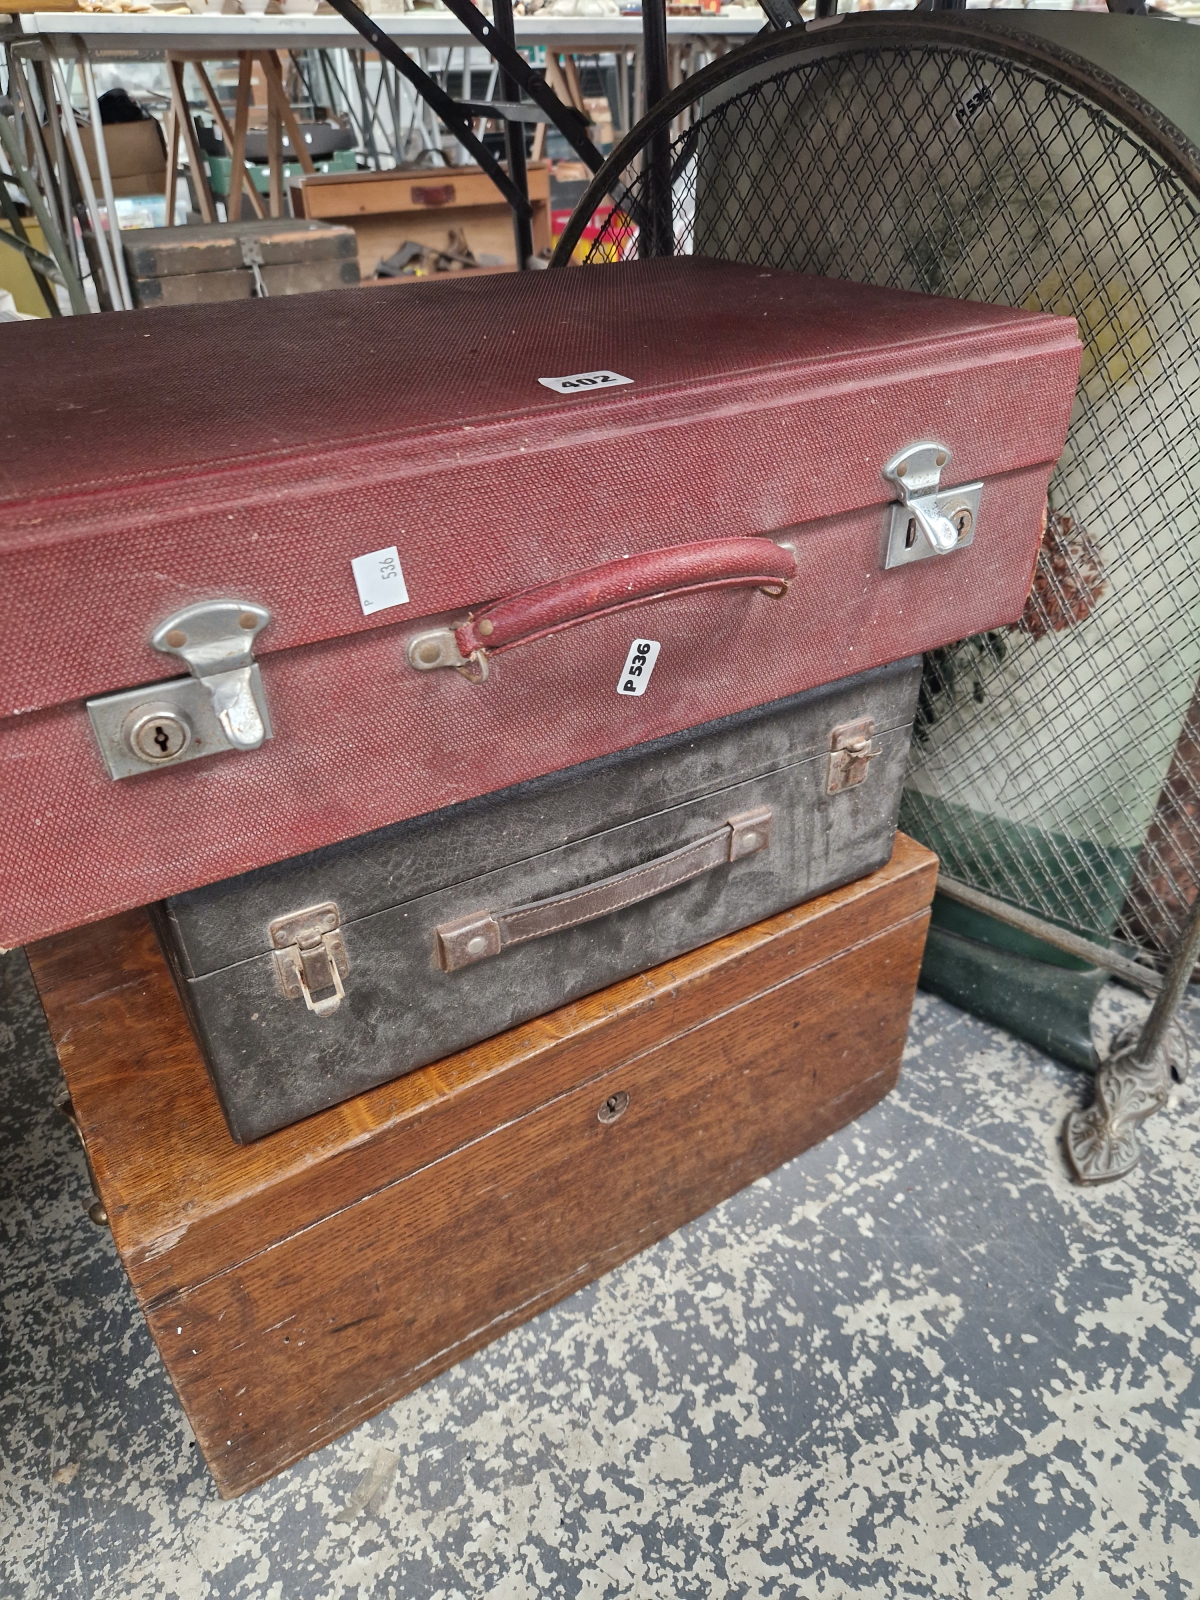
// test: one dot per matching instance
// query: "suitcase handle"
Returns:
(741, 563)
(485, 933)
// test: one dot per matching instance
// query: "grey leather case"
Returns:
(316, 978)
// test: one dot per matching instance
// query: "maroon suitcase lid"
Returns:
(256, 449)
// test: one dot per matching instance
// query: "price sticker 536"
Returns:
(639, 664)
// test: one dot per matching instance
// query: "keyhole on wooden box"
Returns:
(615, 1106)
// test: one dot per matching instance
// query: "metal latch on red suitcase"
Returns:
(310, 956)
(220, 706)
(929, 520)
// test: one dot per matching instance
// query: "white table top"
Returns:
(147, 33)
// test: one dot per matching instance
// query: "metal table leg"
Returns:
(108, 271)
(106, 184)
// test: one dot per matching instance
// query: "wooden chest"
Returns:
(386, 209)
(298, 1285)
(219, 260)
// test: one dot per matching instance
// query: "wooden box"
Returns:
(210, 262)
(387, 208)
(298, 1285)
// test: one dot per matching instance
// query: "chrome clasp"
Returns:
(928, 521)
(215, 641)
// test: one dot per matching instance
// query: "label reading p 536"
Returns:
(584, 382)
(379, 580)
(639, 664)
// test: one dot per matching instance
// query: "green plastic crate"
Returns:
(260, 175)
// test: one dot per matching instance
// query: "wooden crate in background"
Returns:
(386, 209)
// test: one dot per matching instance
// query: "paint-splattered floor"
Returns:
(915, 1362)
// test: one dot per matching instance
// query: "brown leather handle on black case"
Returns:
(485, 933)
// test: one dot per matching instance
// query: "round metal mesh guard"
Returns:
(1056, 763)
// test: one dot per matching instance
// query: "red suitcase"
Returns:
(243, 542)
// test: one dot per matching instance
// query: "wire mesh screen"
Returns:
(1056, 763)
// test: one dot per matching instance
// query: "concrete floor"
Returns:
(914, 1362)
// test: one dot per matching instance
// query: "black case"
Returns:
(314, 979)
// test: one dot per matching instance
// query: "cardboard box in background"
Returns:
(137, 157)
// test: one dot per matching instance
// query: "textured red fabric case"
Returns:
(252, 451)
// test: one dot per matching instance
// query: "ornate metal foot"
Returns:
(1102, 1143)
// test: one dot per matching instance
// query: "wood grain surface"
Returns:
(297, 1285)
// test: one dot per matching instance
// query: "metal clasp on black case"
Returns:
(310, 956)
(852, 748)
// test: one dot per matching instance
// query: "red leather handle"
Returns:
(635, 581)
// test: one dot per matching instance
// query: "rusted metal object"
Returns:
(1131, 972)
(851, 748)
